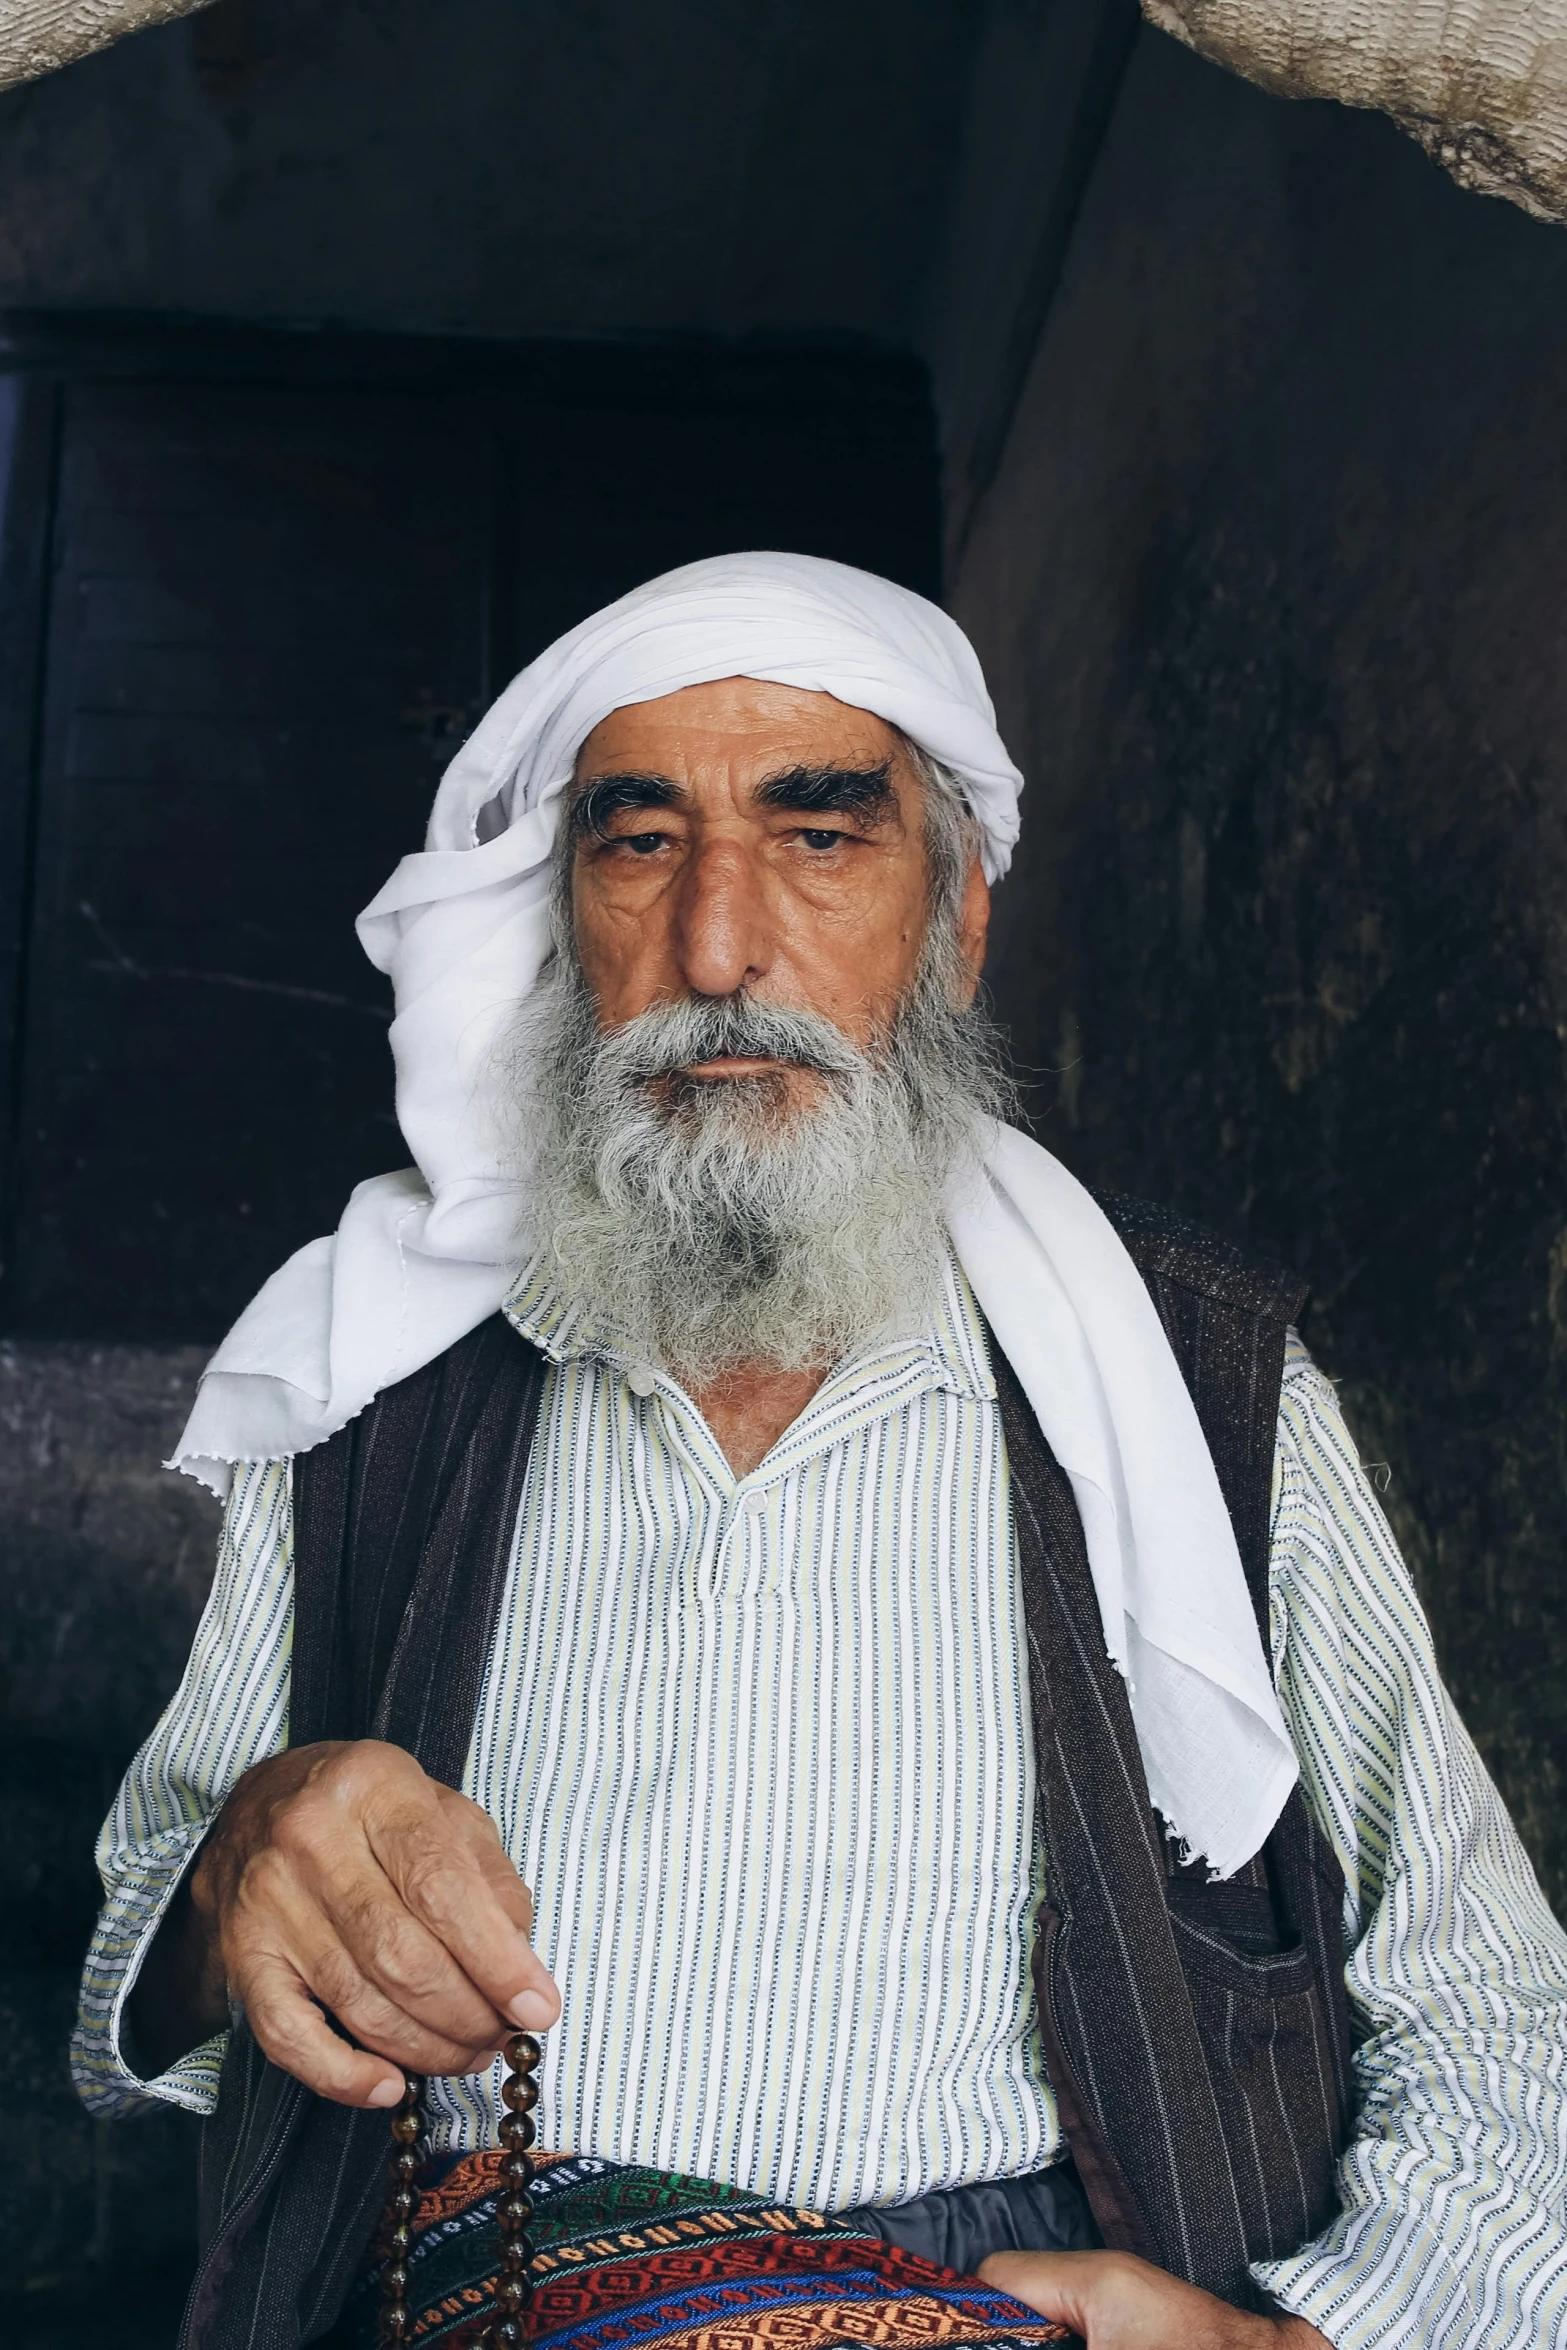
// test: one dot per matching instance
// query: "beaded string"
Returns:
(509, 2329)
(397, 2220)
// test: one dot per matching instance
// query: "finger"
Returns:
(348, 1936)
(292, 2031)
(379, 2023)
(495, 1865)
(411, 1967)
(1057, 2285)
(464, 1900)
(467, 1829)
(398, 1811)
(540, 1998)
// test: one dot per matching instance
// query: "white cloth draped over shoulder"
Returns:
(424, 1255)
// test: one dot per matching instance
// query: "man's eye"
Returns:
(641, 844)
(814, 838)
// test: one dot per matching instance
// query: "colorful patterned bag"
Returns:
(624, 2257)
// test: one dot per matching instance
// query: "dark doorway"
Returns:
(258, 585)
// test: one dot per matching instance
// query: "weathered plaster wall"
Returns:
(580, 166)
(1272, 590)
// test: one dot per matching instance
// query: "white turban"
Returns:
(422, 1256)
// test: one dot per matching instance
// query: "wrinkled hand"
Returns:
(340, 1878)
(1117, 2302)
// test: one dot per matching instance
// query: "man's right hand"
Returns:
(338, 1880)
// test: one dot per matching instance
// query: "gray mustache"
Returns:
(670, 1037)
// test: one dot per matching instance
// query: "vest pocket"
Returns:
(1217, 1955)
(1259, 2019)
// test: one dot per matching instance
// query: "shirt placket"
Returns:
(850, 1400)
(731, 1558)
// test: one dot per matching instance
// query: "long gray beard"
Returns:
(710, 1224)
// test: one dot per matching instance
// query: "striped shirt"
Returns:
(761, 1747)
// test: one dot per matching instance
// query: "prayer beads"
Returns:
(513, 2290)
(397, 2225)
(509, 2329)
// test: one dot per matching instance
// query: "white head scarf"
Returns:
(422, 1256)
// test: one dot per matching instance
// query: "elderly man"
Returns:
(832, 1556)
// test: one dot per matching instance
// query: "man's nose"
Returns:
(722, 928)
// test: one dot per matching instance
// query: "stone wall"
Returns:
(1272, 591)
(106, 1561)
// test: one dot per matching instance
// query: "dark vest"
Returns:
(1197, 2035)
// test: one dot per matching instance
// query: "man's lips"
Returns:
(737, 1065)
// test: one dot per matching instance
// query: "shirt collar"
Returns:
(952, 1335)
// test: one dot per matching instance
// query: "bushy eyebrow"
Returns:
(850, 791)
(603, 796)
(866, 792)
